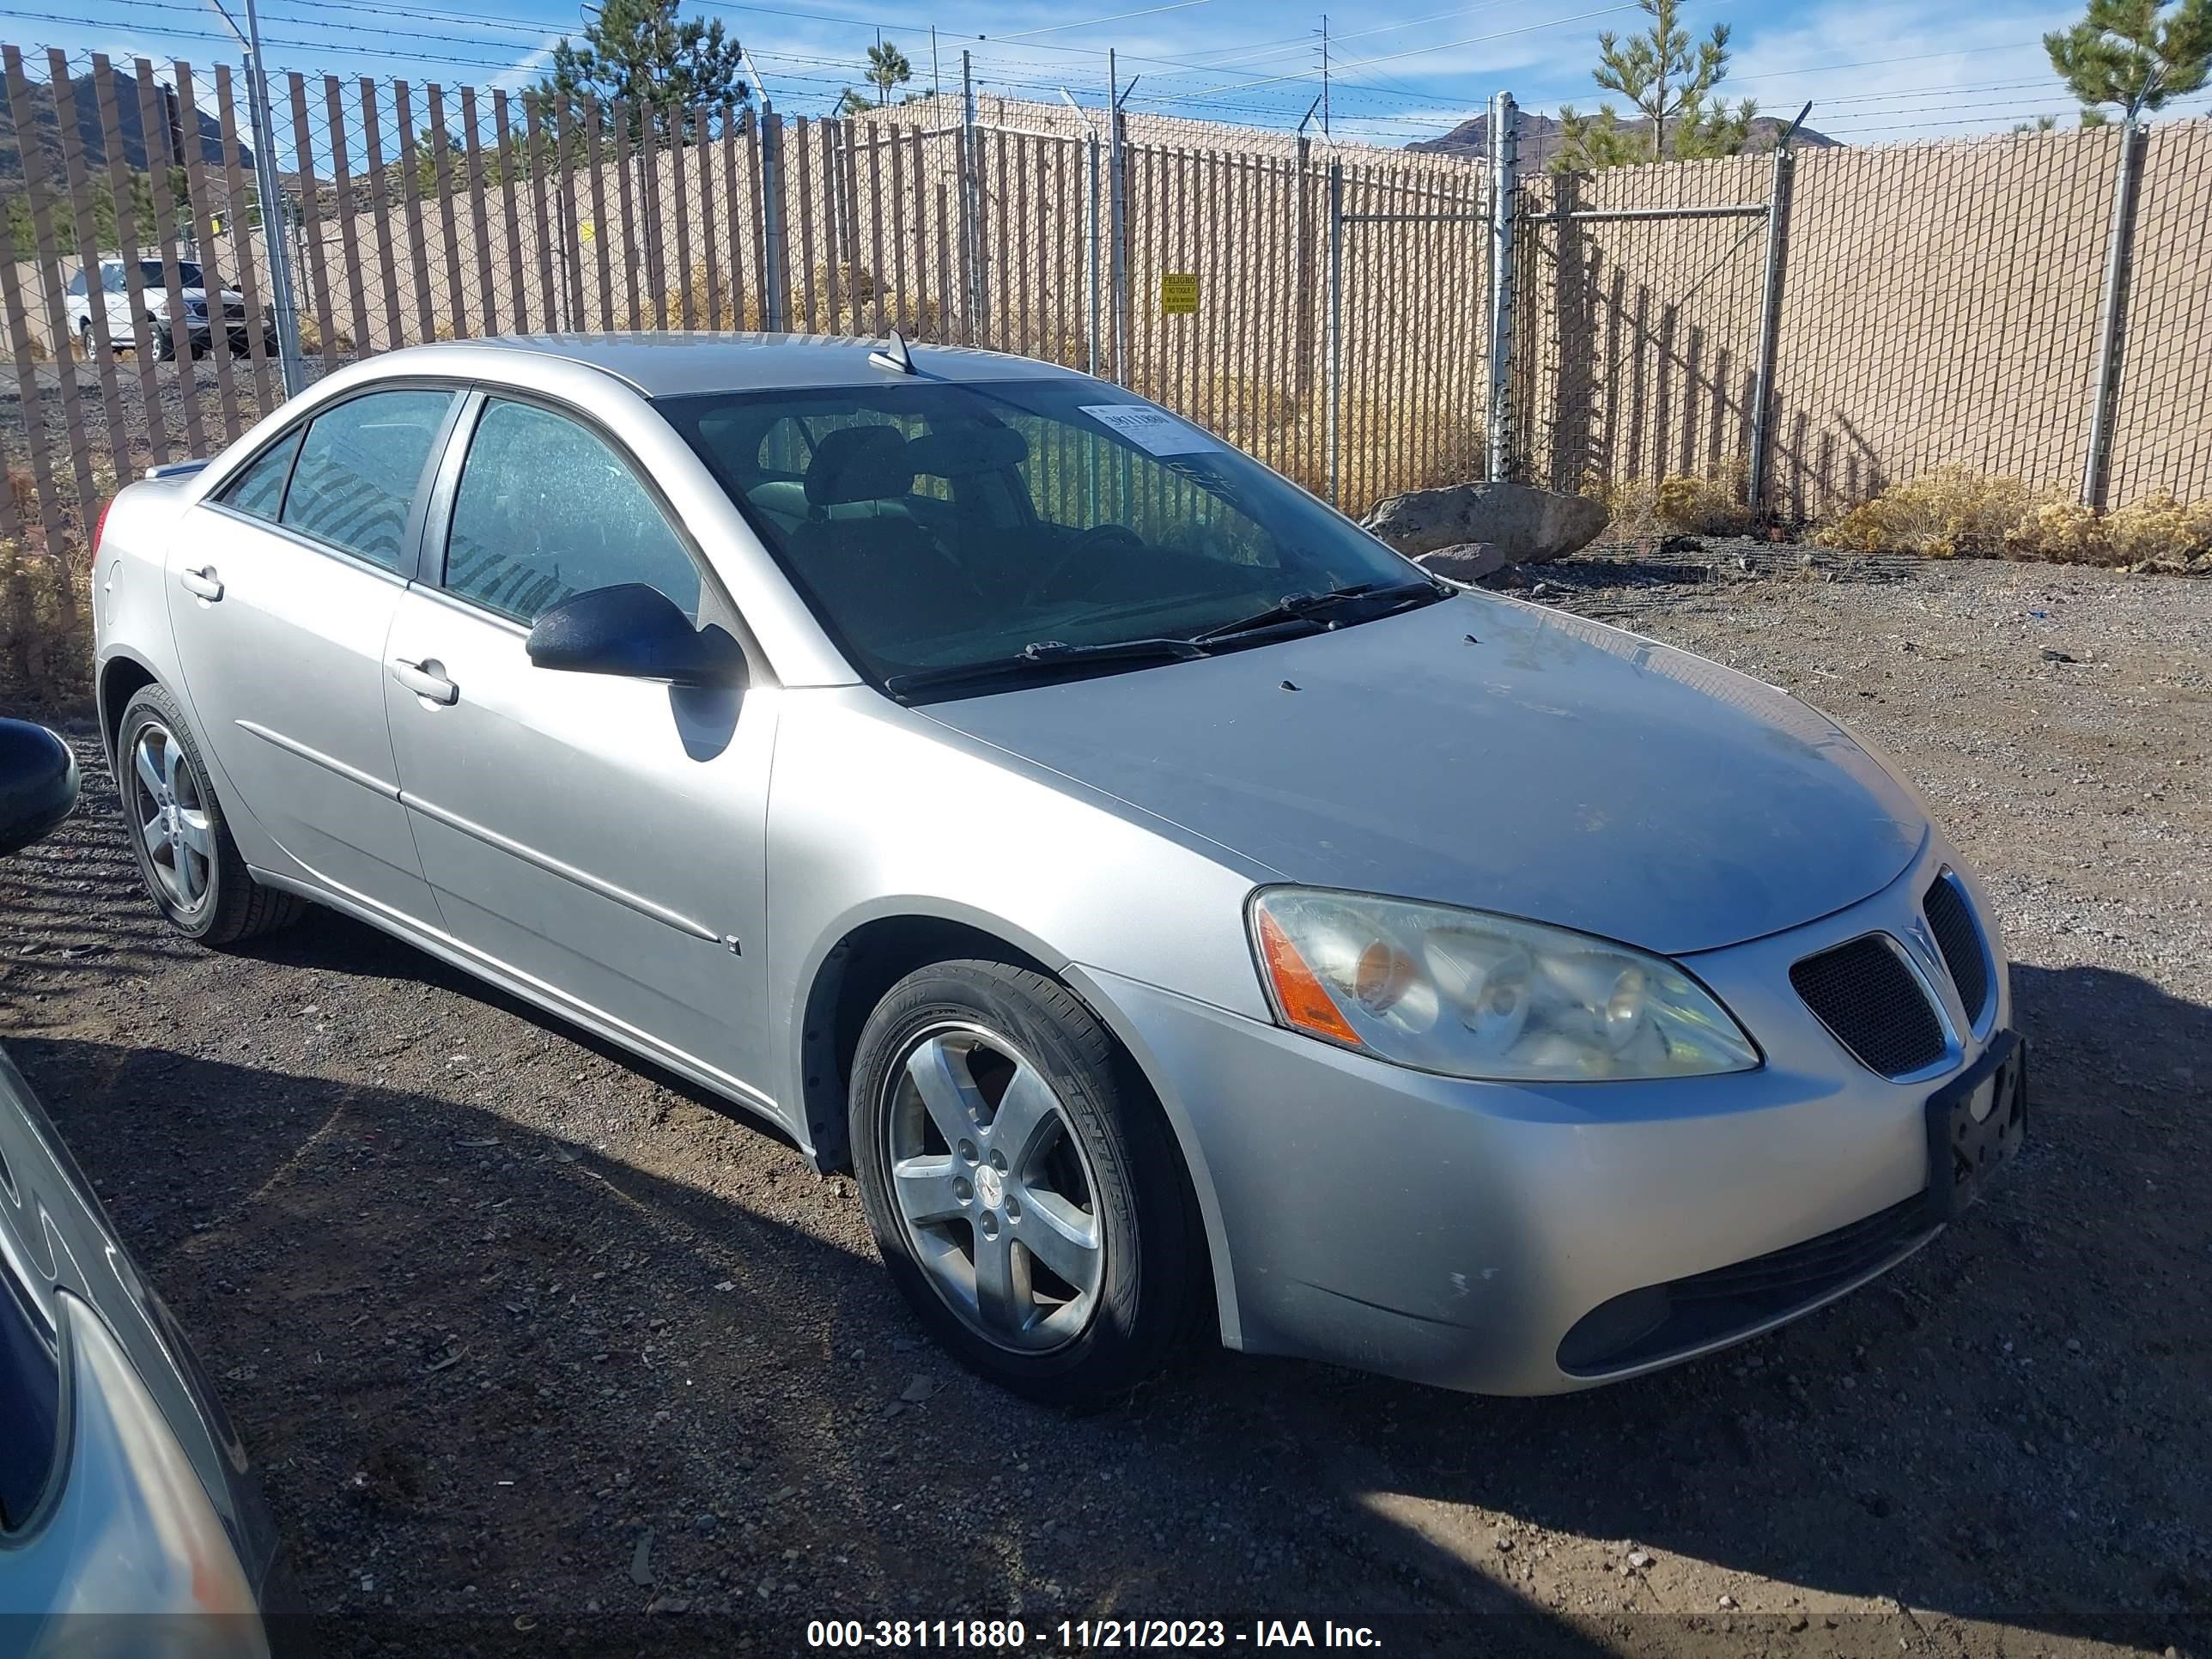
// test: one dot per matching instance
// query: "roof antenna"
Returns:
(893, 356)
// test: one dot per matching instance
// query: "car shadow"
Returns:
(480, 1361)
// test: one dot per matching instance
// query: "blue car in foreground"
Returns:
(128, 1522)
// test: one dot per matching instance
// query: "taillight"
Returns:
(99, 525)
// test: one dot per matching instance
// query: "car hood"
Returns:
(1549, 767)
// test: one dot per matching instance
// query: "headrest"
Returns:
(859, 463)
(963, 449)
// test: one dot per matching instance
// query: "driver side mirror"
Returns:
(635, 632)
(38, 784)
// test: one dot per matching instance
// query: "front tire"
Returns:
(190, 865)
(1022, 1184)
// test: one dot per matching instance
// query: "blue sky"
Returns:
(1877, 71)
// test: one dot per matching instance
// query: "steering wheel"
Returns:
(1084, 549)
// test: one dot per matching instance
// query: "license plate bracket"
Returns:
(1976, 1123)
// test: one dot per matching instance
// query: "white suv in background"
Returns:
(198, 329)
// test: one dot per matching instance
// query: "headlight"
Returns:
(1475, 995)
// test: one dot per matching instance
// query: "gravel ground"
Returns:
(536, 1346)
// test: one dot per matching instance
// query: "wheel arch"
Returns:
(873, 953)
(122, 677)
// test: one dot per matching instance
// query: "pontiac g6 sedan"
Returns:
(1173, 906)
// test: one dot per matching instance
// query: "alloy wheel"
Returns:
(170, 803)
(993, 1190)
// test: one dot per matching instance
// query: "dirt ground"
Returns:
(539, 1350)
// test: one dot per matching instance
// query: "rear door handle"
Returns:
(203, 581)
(420, 679)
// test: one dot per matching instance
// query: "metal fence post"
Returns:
(1117, 214)
(1770, 328)
(1091, 248)
(1336, 330)
(772, 211)
(1504, 158)
(2127, 177)
(971, 204)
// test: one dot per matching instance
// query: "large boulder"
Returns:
(1523, 522)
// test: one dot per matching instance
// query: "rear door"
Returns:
(282, 591)
(602, 836)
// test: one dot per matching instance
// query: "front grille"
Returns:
(1684, 1315)
(236, 311)
(1864, 993)
(1961, 941)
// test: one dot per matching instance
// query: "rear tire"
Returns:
(1061, 1259)
(190, 865)
(165, 345)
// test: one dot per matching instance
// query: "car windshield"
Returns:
(188, 274)
(935, 527)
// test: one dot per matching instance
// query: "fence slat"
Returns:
(380, 208)
(411, 196)
(709, 252)
(472, 158)
(441, 172)
(242, 244)
(153, 118)
(356, 284)
(126, 243)
(518, 283)
(23, 345)
(534, 135)
(78, 178)
(311, 222)
(201, 227)
(593, 122)
(633, 248)
(679, 178)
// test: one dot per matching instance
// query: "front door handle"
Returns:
(203, 581)
(424, 681)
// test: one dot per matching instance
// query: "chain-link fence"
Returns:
(1802, 332)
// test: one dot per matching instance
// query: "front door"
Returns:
(601, 836)
(282, 590)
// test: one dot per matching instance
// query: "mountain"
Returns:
(1540, 137)
(39, 117)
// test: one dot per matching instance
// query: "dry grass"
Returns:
(1680, 504)
(46, 646)
(311, 338)
(1953, 512)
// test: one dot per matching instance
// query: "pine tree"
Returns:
(887, 69)
(1670, 81)
(2135, 53)
(640, 52)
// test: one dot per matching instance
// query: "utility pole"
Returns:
(882, 90)
(1324, 74)
(274, 231)
(933, 87)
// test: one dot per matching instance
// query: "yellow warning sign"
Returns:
(1178, 293)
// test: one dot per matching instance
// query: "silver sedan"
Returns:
(1173, 907)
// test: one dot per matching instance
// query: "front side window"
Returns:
(546, 509)
(111, 278)
(260, 489)
(151, 275)
(360, 464)
(76, 283)
(935, 526)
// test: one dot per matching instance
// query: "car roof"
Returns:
(675, 365)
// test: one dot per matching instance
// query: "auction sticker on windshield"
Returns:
(1154, 430)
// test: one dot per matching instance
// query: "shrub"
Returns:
(45, 647)
(1947, 512)
(311, 338)
(1955, 511)
(2160, 531)
(1692, 506)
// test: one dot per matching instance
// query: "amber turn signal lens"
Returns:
(1298, 991)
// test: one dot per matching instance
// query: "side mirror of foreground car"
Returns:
(635, 632)
(38, 784)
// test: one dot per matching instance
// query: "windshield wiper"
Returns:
(1043, 656)
(1321, 609)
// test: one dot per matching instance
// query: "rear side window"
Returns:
(359, 467)
(546, 510)
(260, 489)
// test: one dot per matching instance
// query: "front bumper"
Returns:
(1456, 1232)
